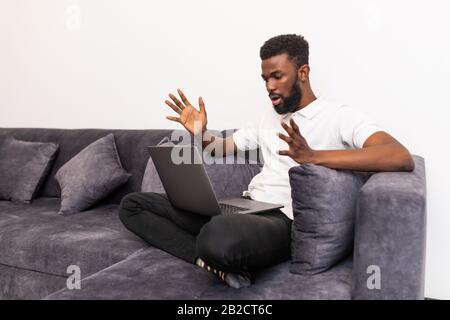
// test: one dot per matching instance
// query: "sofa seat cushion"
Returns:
(154, 274)
(22, 284)
(35, 237)
(148, 274)
(278, 283)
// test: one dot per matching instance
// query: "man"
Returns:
(316, 131)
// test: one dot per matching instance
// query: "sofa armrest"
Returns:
(390, 236)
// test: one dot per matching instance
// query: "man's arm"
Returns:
(218, 146)
(380, 152)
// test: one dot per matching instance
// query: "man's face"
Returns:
(282, 84)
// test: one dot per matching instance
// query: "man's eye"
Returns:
(277, 76)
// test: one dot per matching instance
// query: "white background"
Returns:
(112, 66)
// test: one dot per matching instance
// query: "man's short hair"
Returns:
(294, 45)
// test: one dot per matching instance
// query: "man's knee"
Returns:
(135, 202)
(128, 205)
(218, 243)
(144, 200)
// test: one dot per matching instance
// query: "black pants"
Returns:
(229, 242)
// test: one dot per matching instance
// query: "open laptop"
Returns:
(188, 186)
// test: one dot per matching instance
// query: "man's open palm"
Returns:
(192, 119)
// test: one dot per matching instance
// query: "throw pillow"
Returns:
(24, 166)
(90, 175)
(324, 203)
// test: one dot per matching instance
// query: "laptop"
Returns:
(188, 186)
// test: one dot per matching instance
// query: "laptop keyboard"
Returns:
(228, 208)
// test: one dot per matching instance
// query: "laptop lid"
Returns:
(184, 178)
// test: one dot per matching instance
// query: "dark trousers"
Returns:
(229, 242)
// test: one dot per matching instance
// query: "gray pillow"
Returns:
(90, 175)
(324, 203)
(23, 168)
(228, 178)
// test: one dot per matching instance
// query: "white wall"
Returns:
(114, 68)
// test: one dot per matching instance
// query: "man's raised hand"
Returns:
(299, 149)
(192, 119)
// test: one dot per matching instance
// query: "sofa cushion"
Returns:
(278, 283)
(23, 168)
(229, 177)
(23, 284)
(35, 237)
(324, 204)
(90, 175)
(147, 274)
(154, 274)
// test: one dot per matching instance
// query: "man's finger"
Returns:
(201, 105)
(284, 152)
(294, 127)
(289, 140)
(176, 119)
(177, 102)
(288, 129)
(174, 107)
(183, 98)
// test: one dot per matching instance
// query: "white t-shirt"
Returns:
(324, 125)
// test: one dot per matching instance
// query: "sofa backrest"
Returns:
(131, 146)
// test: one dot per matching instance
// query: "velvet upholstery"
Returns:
(35, 237)
(324, 205)
(37, 244)
(23, 284)
(90, 175)
(167, 277)
(391, 235)
(131, 147)
(24, 166)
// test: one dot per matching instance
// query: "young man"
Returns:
(316, 131)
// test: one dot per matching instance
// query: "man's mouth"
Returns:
(276, 99)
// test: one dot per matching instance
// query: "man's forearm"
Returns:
(374, 158)
(215, 145)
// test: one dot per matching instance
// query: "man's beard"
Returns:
(290, 103)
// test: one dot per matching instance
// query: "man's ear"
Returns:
(303, 73)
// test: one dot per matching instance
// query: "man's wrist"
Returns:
(206, 137)
(314, 157)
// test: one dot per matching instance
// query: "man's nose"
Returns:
(270, 86)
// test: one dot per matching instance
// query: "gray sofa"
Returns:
(37, 245)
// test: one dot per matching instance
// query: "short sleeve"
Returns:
(355, 127)
(246, 138)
